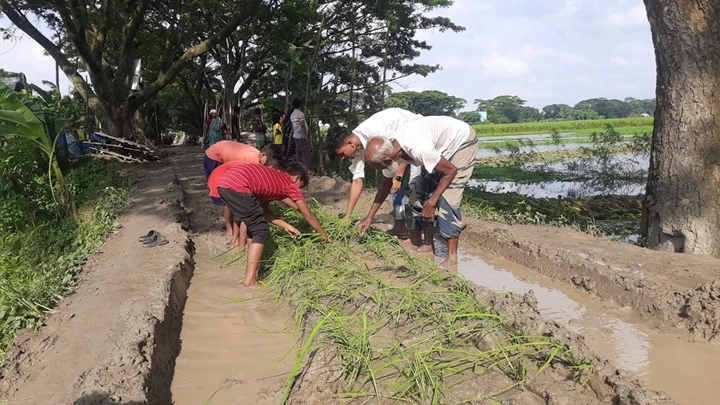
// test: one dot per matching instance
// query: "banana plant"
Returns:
(18, 120)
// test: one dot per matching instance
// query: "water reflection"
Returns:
(557, 189)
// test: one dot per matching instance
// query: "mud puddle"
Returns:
(233, 339)
(665, 360)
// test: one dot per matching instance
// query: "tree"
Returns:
(682, 203)
(504, 109)
(606, 108)
(429, 102)
(108, 36)
(471, 117)
(557, 112)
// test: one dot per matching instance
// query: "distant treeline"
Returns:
(512, 109)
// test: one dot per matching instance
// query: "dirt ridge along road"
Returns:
(669, 289)
(115, 339)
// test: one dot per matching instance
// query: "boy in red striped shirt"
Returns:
(248, 189)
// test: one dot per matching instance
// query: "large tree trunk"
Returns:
(682, 206)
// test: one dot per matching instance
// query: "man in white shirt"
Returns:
(445, 149)
(381, 124)
(300, 134)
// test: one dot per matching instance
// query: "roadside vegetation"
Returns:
(394, 325)
(54, 212)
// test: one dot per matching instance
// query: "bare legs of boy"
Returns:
(240, 239)
(254, 256)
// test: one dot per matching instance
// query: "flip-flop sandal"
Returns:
(147, 236)
(157, 240)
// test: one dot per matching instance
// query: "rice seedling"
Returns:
(398, 329)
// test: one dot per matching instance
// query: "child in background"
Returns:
(277, 128)
(248, 189)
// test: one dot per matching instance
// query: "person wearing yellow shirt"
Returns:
(277, 128)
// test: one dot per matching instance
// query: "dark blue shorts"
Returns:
(209, 165)
(217, 201)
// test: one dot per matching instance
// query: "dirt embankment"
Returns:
(115, 339)
(670, 289)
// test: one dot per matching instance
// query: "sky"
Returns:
(545, 51)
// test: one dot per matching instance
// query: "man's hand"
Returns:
(291, 230)
(428, 211)
(395, 186)
(364, 225)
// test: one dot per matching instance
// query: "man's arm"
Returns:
(356, 188)
(448, 171)
(399, 173)
(310, 217)
(380, 197)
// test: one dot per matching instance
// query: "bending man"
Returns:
(350, 146)
(445, 148)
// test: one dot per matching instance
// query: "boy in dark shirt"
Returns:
(248, 189)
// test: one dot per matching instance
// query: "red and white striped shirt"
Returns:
(265, 183)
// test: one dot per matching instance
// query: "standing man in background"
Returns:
(300, 134)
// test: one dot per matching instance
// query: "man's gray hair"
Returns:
(383, 151)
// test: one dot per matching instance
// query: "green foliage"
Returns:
(429, 102)
(38, 264)
(395, 326)
(508, 109)
(27, 122)
(560, 126)
(471, 117)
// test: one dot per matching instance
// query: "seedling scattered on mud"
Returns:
(395, 327)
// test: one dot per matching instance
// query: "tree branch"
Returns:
(164, 78)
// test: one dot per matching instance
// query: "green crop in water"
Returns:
(639, 125)
(398, 328)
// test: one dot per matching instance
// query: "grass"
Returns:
(395, 327)
(38, 265)
(637, 125)
(613, 215)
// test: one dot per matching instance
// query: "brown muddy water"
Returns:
(237, 343)
(665, 359)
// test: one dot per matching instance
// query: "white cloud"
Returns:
(504, 66)
(617, 61)
(634, 16)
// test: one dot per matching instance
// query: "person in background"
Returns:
(235, 124)
(446, 149)
(288, 144)
(213, 129)
(277, 128)
(350, 145)
(248, 190)
(300, 133)
(259, 128)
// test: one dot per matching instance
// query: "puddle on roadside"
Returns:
(666, 360)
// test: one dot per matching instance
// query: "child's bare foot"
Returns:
(408, 244)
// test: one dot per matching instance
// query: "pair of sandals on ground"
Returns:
(152, 239)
